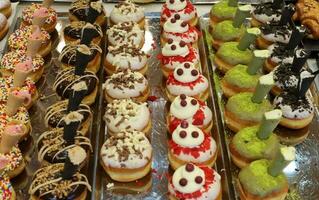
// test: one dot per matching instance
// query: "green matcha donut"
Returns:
(256, 180)
(222, 11)
(232, 55)
(239, 77)
(242, 106)
(226, 32)
(247, 143)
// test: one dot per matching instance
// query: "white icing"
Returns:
(188, 140)
(187, 76)
(275, 59)
(179, 51)
(177, 5)
(177, 89)
(77, 155)
(190, 36)
(263, 18)
(136, 118)
(118, 36)
(185, 16)
(175, 27)
(274, 37)
(127, 12)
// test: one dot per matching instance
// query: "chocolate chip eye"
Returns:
(182, 96)
(183, 103)
(187, 65)
(170, 41)
(182, 134)
(180, 72)
(194, 72)
(173, 47)
(195, 134)
(183, 24)
(198, 179)
(177, 16)
(189, 167)
(184, 124)
(171, 1)
(194, 102)
(182, 44)
(183, 182)
(173, 20)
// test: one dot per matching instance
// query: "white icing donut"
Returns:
(127, 149)
(184, 8)
(263, 18)
(127, 11)
(126, 114)
(3, 21)
(125, 84)
(277, 36)
(276, 59)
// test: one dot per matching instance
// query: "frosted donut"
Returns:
(189, 110)
(195, 182)
(187, 80)
(176, 53)
(126, 33)
(5, 8)
(16, 162)
(184, 8)
(127, 156)
(273, 33)
(279, 54)
(125, 85)
(122, 57)
(126, 114)
(6, 190)
(4, 26)
(263, 13)
(191, 144)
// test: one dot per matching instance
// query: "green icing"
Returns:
(239, 77)
(232, 55)
(256, 180)
(250, 146)
(223, 11)
(242, 106)
(226, 32)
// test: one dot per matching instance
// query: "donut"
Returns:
(191, 144)
(66, 79)
(273, 33)
(122, 57)
(186, 79)
(12, 58)
(127, 11)
(279, 54)
(178, 30)
(175, 53)
(126, 85)
(127, 156)
(68, 56)
(4, 26)
(18, 40)
(50, 22)
(86, 10)
(126, 114)
(6, 190)
(16, 164)
(221, 11)
(73, 32)
(55, 116)
(264, 13)
(126, 33)
(5, 8)
(184, 8)
(195, 182)
(193, 112)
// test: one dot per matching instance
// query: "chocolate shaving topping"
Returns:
(301, 104)
(266, 9)
(277, 30)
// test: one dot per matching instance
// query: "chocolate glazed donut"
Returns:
(85, 10)
(74, 30)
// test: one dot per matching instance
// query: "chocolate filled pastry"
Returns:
(68, 56)
(83, 32)
(86, 10)
(266, 12)
(4, 26)
(126, 85)
(5, 8)
(122, 57)
(62, 180)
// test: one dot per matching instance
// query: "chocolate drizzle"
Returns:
(74, 30)
(84, 11)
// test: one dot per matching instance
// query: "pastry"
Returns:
(186, 79)
(5, 8)
(28, 16)
(127, 156)
(230, 30)
(256, 142)
(86, 10)
(231, 54)
(68, 56)
(246, 109)
(191, 145)
(195, 112)
(82, 32)
(4, 26)
(124, 56)
(184, 8)
(126, 114)
(195, 182)
(125, 33)
(178, 30)
(243, 78)
(61, 180)
(266, 12)
(6, 190)
(264, 179)
(127, 11)
(176, 53)
(223, 10)
(126, 85)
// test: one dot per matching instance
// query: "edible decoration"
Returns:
(21, 72)
(83, 32)
(287, 13)
(34, 41)
(88, 11)
(15, 100)
(10, 137)
(28, 14)
(76, 156)
(264, 85)
(89, 32)
(267, 12)
(127, 11)
(248, 38)
(241, 14)
(72, 123)
(305, 81)
(283, 158)
(40, 16)
(95, 9)
(257, 61)
(79, 92)
(82, 57)
(6, 189)
(268, 124)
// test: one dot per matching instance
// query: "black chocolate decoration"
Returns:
(69, 169)
(296, 37)
(75, 99)
(277, 4)
(299, 60)
(70, 131)
(92, 15)
(305, 83)
(87, 35)
(287, 13)
(81, 62)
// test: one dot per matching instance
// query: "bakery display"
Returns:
(223, 10)
(195, 182)
(125, 57)
(126, 84)
(5, 8)
(127, 156)
(187, 110)
(184, 8)
(4, 26)
(269, 12)
(189, 144)
(187, 80)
